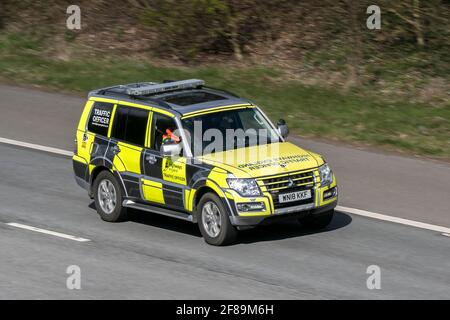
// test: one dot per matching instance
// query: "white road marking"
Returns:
(36, 147)
(53, 233)
(384, 217)
(446, 234)
(443, 230)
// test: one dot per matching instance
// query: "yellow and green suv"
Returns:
(204, 155)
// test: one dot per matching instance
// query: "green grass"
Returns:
(310, 111)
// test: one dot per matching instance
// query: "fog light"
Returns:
(251, 206)
(331, 193)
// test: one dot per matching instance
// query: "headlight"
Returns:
(245, 187)
(326, 175)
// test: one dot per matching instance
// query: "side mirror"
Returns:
(171, 150)
(283, 128)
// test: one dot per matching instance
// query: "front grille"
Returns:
(291, 180)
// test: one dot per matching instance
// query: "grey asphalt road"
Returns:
(153, 256)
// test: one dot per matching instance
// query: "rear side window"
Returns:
(100, 117)
(130, 125)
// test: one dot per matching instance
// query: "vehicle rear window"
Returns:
(130, 125)
(100, 117)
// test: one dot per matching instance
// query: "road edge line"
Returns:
(379, 216)
(36, 147)
(49, 232)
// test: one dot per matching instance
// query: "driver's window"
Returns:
(252, 120)
(164, 131)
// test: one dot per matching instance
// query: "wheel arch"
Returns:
(200, 193)
(209, 188)
(97, 170)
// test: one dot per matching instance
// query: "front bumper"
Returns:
(290, 213)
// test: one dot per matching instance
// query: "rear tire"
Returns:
(317, 222)
(214, 222)
(108, 198)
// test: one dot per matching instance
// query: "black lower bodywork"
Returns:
(253, 221)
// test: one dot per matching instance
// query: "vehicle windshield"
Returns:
(226, 130)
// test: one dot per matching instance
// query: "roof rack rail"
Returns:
(122, 90)
(150, 88)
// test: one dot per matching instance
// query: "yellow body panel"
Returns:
(130, 156)
(190, 200)
(276, 159)
(135, 105)
(280, 159)
(108, 100)
(149, 134)
(119, 165)
(167, 113)
(79, 159)
(152, 191)
(112, 120)
(322, 202)
(83, 138)
(84, 116)
(84, 144)
(187, 196)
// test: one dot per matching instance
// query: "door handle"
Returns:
(115, 149)
(151, 159)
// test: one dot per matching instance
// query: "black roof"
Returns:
(182, 101)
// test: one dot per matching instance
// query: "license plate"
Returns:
(294, 196)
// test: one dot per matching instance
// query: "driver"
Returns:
(169, 137)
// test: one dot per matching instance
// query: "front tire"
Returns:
(317, 222)
(214, 222)
(108, 198)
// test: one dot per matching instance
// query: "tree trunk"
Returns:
(415, 21)
(355, 57)
(234, 34)
(418, 24)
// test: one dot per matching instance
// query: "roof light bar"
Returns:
(165, 87)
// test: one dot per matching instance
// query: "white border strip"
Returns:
(53, 233)
(36, 147)
(384, 217)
